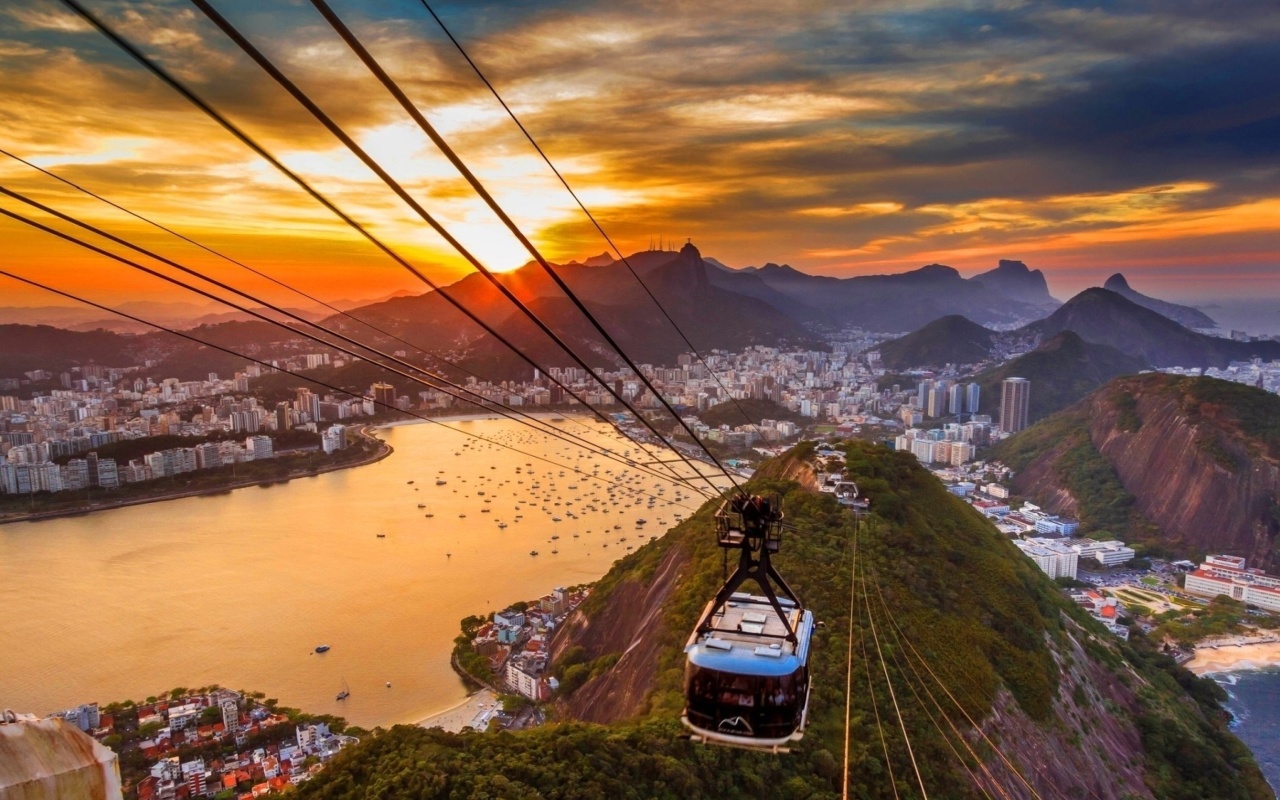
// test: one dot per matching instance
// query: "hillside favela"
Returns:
(423, 399)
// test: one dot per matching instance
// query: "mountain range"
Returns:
(1097, 316)
(1104, 317)
(718, 307)
(715, 307)
(951, 339)
(905, 301)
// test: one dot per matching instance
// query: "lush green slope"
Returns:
(30, 347)
(1063, 369)
(731, 413)
(1105, 508)
(987, 621)
(949, 340)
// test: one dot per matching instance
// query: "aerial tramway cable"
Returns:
(503, 410)
(564, 182)
(329, 386)
(296, 290)
(848, 680)
(303, 99)
(875, 638)
(394, 88)
(941, 685)
(919, 682)
(234, 261)
(253, 145)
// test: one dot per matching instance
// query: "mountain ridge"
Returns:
(1183, 315)
(1104, 317)
(952, 339)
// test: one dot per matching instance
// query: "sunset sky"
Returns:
(841, 138)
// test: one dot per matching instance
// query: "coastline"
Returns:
(383, 450)
(479, 416)
(468, 713)
(1234, 658)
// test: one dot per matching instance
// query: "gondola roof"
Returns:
(748, 639)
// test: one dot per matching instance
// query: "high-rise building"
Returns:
(1015, 403)
(260, 447)
(922, 393)
(937, 400)
(384, 396)
(972, 395)
(955, 399)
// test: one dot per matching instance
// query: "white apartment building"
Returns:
(1056, 559)
(525, 683)
(1108, 554)
(1227, 575)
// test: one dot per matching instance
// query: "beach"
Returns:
(1235, 658)
(472, 712)
(577, 415)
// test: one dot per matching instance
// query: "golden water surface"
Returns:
(237, 589)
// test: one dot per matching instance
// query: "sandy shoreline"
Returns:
(483, 416)
(1235, 658)
(472, 712)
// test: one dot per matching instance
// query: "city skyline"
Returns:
(843, 142)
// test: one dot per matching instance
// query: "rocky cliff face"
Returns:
(1179, 447)
(631, 625)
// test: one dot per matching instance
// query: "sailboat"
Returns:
(346, 690)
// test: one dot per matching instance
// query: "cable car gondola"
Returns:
(747, 668)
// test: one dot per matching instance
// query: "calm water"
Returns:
(1255, 704)
(237, 589)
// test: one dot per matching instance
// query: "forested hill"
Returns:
(1063, 369)
(1215, 447)
(1076, 712)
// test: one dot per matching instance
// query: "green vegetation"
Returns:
(1106, 509)
(573, 669)
(948, 340)
(729, 413)
(1248, 409)
(32, 347)
(1222, 617)
(984, 617)
(1129, 420)
(1190, 752)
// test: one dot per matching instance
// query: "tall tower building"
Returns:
(1015, 402)
(384, 395)
(972, 392)
(955, 399)
(922, 393)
